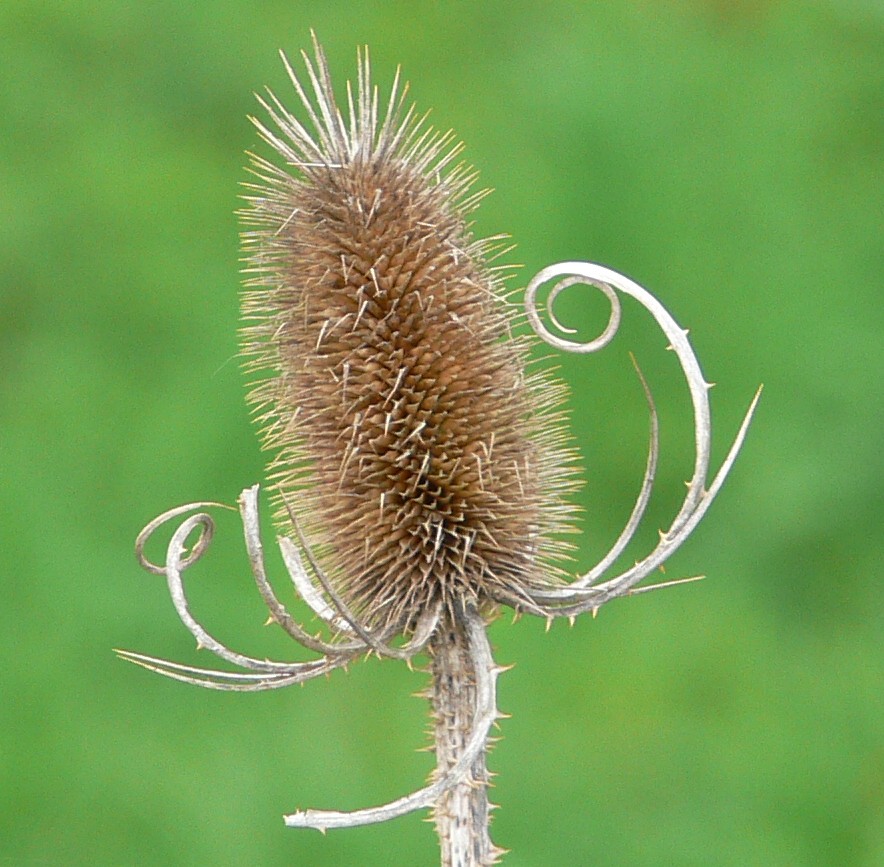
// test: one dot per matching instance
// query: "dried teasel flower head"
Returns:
(422, 462)
(421, 471)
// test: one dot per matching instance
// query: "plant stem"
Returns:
(462, 813)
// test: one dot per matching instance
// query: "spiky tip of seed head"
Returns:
(422, 461)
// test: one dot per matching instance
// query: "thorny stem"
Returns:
(463, 757)
(462, 813)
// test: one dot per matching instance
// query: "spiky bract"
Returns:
(422, 463)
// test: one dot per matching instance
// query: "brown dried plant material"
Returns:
(421, 475)
(418, 455)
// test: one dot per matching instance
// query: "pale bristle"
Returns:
(422, 462)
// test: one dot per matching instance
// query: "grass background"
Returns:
(725, 154)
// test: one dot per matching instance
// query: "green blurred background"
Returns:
(725, 154)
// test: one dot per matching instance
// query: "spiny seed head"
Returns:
(422, 462)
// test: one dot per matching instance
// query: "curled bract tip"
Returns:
(585, 593)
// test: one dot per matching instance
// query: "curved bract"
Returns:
(350, 638)
(585, 593)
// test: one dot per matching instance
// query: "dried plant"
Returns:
(420, 473)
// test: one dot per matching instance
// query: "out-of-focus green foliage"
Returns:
(725, 154)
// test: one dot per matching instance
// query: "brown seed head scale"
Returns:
(420, 459)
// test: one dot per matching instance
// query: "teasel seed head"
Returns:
(420, 458)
